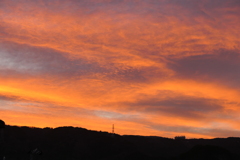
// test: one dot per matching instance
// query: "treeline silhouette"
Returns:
(71, 143)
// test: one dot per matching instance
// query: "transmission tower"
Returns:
(113, 129)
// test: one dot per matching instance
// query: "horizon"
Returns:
(109, 132)
(155, 67)
(33, 127)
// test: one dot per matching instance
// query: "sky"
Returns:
(150, 67)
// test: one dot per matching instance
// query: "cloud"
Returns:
(222, 66)
(40, 61)
(8, 98)
(175, 104)
(139, 64)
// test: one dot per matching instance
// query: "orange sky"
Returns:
(162, 68)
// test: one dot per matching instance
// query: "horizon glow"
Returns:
(151, 67)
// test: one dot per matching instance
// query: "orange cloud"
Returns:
(151, 67)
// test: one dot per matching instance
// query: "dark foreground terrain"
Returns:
(69, 143)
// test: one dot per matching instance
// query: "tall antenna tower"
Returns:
(113, 129)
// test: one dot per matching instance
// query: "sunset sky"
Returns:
(151, 67)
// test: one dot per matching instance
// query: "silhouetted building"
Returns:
(179, 137)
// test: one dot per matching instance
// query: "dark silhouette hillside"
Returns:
(207, 152)
(81, 144)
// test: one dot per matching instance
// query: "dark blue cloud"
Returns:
(9, 98)
(222, 67)
(29, 60)
(177, 105)
(20, 60)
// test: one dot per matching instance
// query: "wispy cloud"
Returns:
(143, 65)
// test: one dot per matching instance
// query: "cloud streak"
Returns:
(142, 65)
